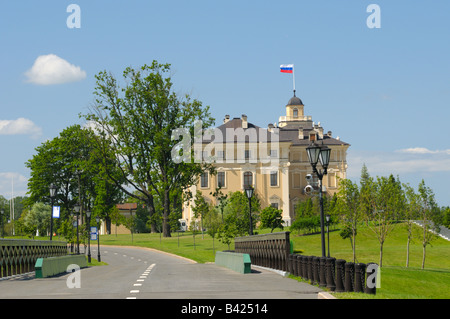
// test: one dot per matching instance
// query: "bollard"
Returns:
(340, 275)
(331, 264)
(315, 264)
(304, 268)
(299, 265)
(349, 276)
(309, 267)
(322, 272)
(371, 281)
(292, 266)
(360, 275)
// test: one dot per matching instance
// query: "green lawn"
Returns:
(397, 281)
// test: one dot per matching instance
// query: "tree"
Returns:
(38, 218)
(411, 213)
(428, 212)
(348, 207)
(200, 208)
(71, 162)
(136, 122)
(386, 199)
(238, 212)
(271, 217)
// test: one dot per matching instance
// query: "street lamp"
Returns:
(249, 192)
(97, 218)
(88, 215)
(52, 197)
(76, 208)
(1, 221)
(319, 153)
(327, 217)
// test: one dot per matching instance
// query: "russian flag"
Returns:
(287, 68)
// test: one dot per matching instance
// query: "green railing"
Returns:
(18, 256)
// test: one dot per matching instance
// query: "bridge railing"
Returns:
(267, 250)
(18, 256)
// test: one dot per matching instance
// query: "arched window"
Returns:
(295, 113)
(248, 179)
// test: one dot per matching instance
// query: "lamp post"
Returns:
(319, 153)
(327, 217)
(1, 221)
(52, 198)
(88, 215)
(249, 193)
(97, 218)
(76, 208)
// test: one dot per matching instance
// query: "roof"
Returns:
(286, 134)
(127, 206)
(292, 135)
(295, 101)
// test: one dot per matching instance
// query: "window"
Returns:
(204, 180)
(296, 180)
(274, 205)
(295, 113)
(220, 155)
(221, 179)
(274, 178)
(247, 154)
(273, 153)
(248, 179)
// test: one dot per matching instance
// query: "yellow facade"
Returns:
(277, 165)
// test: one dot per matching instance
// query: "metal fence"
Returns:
(267, 250)
(336, 275)
(19, 256)
(273, 251)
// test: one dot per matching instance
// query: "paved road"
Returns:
(139, 273)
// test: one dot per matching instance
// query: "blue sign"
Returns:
(94, 233)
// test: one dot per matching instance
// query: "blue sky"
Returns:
(386, 91)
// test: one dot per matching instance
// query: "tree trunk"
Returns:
(423, 256)
(407, 251)
(151, 211)
(166, 225)
(381, 254)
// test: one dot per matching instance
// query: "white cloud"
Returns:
(416, 160)
(51, 69)
(423, 150)
(21, 126)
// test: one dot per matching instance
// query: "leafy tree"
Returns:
(227, 231)
(71, 162)
(386, 199)
(271, 217)
(348, 207)
(200, 208)
(136, 122)
(411, 213)
(238, 211)
(428, 213)
(38, 218)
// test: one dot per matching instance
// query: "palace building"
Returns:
(272, 160)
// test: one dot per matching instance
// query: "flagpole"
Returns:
(293, 77)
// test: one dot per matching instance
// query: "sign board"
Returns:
(56, 211)
(93, 233)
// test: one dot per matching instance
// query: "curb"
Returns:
(325, 295)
